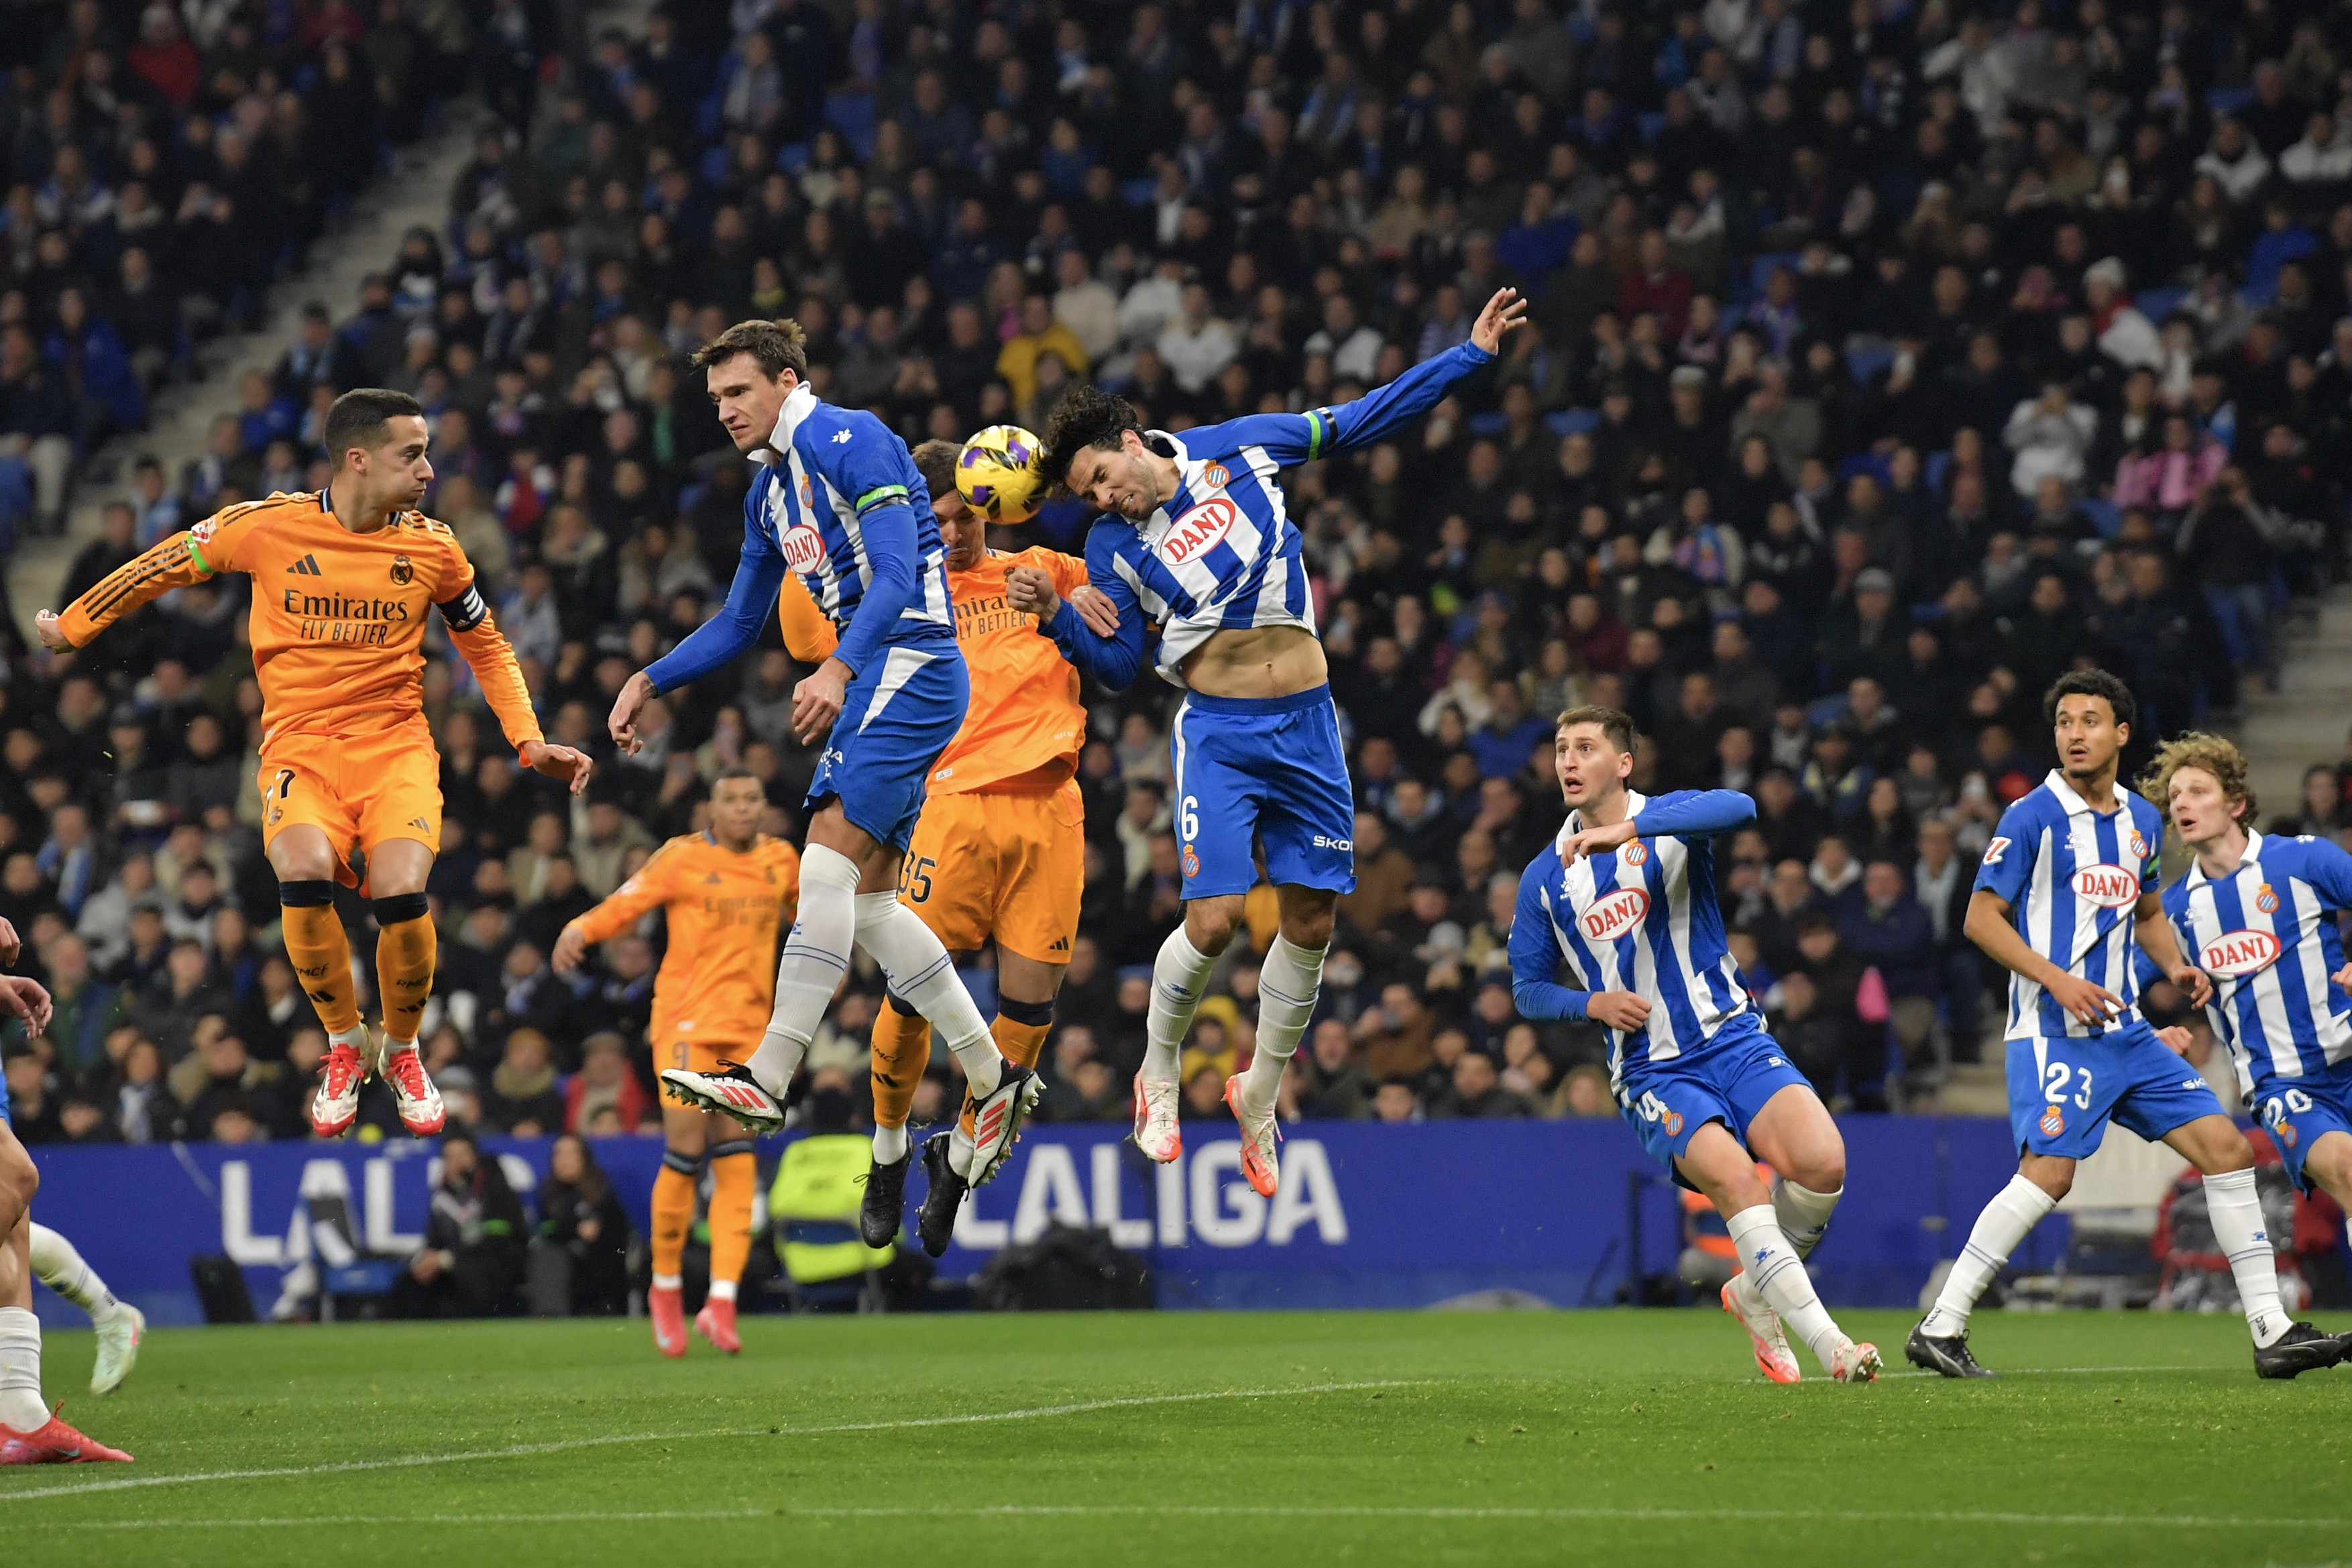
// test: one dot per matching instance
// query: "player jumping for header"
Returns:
(2260, 913)
(2068, 884)
(1625, 901)
(1197, 542)
(343, 580)
(835, 502)
(1000, 852)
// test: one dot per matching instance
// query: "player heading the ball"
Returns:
(1195, 541)
(836, 502)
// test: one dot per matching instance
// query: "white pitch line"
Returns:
(567, 1445)
(1243, 1510)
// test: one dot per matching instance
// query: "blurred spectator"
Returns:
(475, 1232)
(581, 1223)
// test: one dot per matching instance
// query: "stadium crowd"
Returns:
(163, 163)
(1889, 360)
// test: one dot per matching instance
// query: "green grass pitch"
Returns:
(1620, 1438)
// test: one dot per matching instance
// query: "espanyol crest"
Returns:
(1634, 853)
(2138, 845)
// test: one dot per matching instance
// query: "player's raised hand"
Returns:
(559, 763)
(635, 692)
(2085, 1002)
(1594, 840)
(24, 999)
(1621, 1010)
(1506, 313)
(11, 945)
(2194, 983)
(571, 947)
(52, 635)
(2177, 1037)
(1094, 608)
(816, 701)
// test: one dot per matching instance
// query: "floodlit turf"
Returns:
(1288, 1440)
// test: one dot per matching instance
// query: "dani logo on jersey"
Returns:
(2235, 954)
(1613, 915)
(803, 548)
(2109, 887)
(1199, 530)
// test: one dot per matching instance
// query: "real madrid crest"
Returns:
(402, 572)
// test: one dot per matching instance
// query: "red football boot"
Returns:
(716, 1323)
(667, 1310)
(55, 1443)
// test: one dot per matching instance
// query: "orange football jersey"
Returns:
(1026, 725)
(726, 914)
(338, 618)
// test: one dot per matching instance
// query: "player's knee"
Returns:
(1822, 1171)
(20, 1179)
(306, 892)
(2055, 1177)
(1209, 924)
(1310, 928)
(2225, 1149)
(687, 1163)
(397, 908)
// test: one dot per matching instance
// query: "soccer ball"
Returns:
(1001, 474)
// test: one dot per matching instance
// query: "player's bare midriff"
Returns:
(1257, 661)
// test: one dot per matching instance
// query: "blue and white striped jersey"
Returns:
(839, 501)
(2071, 877)
(835, 465)
(1223, 553)
(1642, 917)
(2267, 934)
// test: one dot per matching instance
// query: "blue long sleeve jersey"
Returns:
(1223, 552)
(1642, 917)
(841, 502)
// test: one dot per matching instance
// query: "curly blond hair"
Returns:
(2216, 755)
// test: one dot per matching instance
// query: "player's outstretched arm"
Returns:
(630, 902)
(1417, 391)
(717, 642)
(176, 563)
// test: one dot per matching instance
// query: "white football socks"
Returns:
(1287, 985)
(815, 956)
(1177, 976)
(889, 1145)
(20, 1370)
(2016, 1209)
(2236, 1209)
(1804, 1214)
(923, 976)
(1777, 1273)
(57, 1265)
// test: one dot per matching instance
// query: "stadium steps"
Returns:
(2302, 723)
(415, 189)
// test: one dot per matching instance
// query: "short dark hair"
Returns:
(1616, 722)
(737, 770)
(1086, 417)
(936, 462)
(360, 417)
(2091, 683)
(778, 346)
